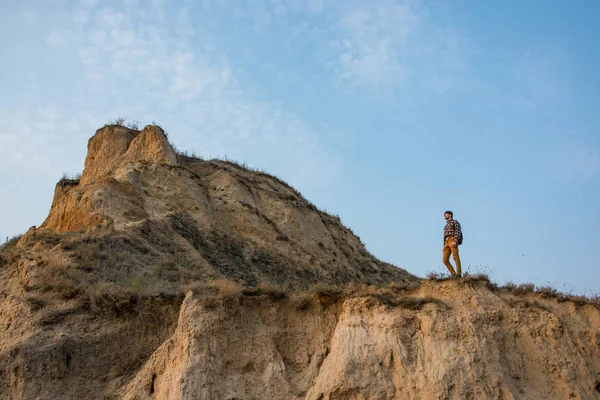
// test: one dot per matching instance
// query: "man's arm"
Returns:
(456, 232)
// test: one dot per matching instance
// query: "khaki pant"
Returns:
(448, 249)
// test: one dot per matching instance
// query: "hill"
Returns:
(160, 275)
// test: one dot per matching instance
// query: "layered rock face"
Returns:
(161, 276)
(462, 342)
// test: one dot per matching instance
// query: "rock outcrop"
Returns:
(236, 223)
(91, 201)
(115, 146)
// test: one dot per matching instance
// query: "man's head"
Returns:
(448, 215)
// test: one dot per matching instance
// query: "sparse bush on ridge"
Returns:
(190, 154)
(435, 276)
(74, 177)
(119, 121)
(477, 277)
(545, 292)
(548, 292)
(68, 179)
(125, 122)
(524, 288)
(134, 125)
(10, 242)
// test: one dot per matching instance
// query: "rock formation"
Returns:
(162, 276)
(257, 226)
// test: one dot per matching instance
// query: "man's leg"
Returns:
(446, 258)
(456, 260)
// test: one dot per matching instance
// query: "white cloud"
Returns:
(81, 16)
(379, 47)
(32, 139)
(136, 66)
(540, 84)
(579, 161)
(385, 46)
(87, 3)
(109, 18)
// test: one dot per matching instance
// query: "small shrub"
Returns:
(69, 177)
(190, 154)
(125, 123)
(478, 272)
(524, 288)
(69, 180)
(10, 243)
(581, 300)
(477, 277)
(435, 276)
(548, 292)
(133, 125)
(119, 121)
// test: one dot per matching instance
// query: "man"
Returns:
(452, 239)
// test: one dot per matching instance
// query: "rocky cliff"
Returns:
(162, 276)
(448, 340)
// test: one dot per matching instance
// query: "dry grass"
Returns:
(114, 271)
(69, 180)
(392, 295)
(271, 290)
(522, 289)
(477, 277)
(436, 276)
(229, 290)
(10, 243)
(125, 122)
(106, 271)
(548, 292)
(325, 290)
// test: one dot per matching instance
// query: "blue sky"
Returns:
(384, 112)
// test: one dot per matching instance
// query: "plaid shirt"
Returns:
(452, 228)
